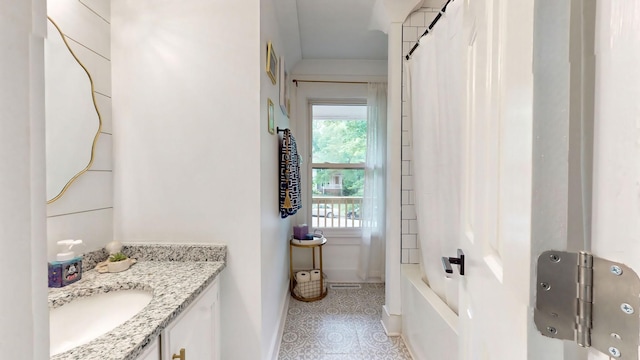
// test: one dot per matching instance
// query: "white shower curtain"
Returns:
(372, 213)
(436, 97)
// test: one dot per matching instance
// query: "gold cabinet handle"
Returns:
(181, 356)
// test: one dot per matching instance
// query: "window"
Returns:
(338, 151)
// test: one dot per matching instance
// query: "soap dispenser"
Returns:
(67, 268)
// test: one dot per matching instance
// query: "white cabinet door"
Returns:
(196, 330)
(152, 352)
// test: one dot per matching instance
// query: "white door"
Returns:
(494, 293)
(496, 303)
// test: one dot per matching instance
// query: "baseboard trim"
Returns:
(391, 323)
(409, 348)
(275, 346)
(347, 276)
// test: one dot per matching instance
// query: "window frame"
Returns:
(344, 232)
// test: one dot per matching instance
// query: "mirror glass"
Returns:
(72, 118)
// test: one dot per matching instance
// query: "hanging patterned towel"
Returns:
(290, 196)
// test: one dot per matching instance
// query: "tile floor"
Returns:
(345, 325)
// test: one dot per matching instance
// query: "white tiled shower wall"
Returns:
(412, 29)
(85, 210)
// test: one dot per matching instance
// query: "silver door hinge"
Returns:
(589, 300)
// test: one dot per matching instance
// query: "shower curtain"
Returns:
(434, 76)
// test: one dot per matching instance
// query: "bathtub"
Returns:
(429, 326)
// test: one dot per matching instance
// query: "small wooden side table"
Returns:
(292, 278)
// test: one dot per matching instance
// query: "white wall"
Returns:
(341, 254)
(391, 319)
(24, 332)
(85, 210)
(341, 70)
(189, 117)
(274, 231)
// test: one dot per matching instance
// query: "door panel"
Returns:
(494, 293)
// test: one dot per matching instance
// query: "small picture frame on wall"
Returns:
(271, 117)
(272, 63)
(284, 88)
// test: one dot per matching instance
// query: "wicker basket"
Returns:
(309, 289)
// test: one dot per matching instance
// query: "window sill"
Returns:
(342, 236)
(341, 241)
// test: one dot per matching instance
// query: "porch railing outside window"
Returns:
(336, 212)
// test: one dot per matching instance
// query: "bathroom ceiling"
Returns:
(330, 29)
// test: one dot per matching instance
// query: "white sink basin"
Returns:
(86, 318)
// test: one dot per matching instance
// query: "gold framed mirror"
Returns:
(73, 121)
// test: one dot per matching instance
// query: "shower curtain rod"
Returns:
(296, 81)
(415, 46)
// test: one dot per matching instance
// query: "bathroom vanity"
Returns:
(194, 334)
(181, 321)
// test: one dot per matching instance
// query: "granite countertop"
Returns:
(175, 274)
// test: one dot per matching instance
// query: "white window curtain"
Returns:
(371, 266)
